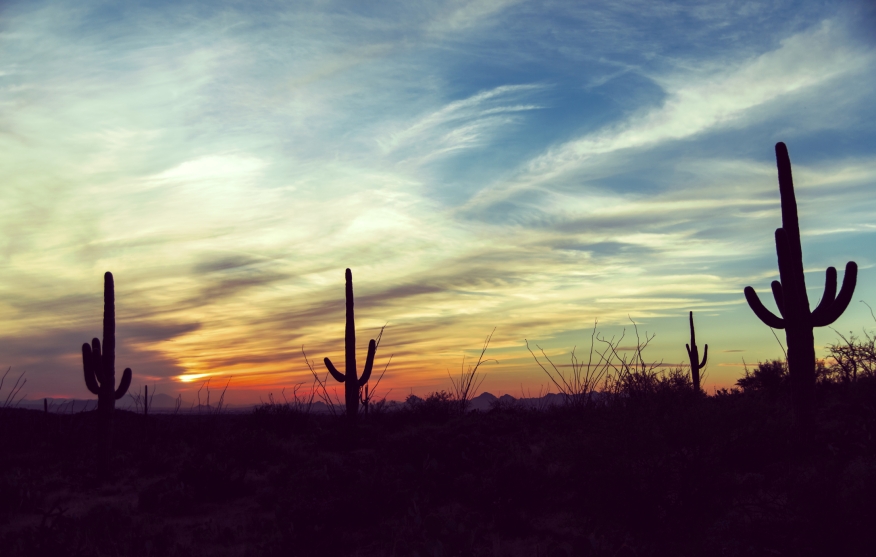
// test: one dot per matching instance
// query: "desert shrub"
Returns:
(852, 358)
(439, 405)
(675, 379)
(769, 378)
(280, 418)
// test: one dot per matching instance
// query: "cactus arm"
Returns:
(88, 368)
(369, 363)
(705, 356)
(829, 295)
(832, 312)
(688, 351)
(96, 363)
(778, 296)
(124, 383)
(339, 377)
(765, 315)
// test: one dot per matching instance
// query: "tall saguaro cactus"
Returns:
(99, 366)
(351, 382)
(793, 303)
(693, 354)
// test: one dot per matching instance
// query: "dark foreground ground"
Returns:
(663, 473)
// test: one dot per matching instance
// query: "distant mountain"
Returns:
(161, 400)
(485, 401)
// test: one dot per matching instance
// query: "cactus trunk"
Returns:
(352, 383)
(98, 363)
(792, 301)
(693, 354)
(106, 401)
(801, 368)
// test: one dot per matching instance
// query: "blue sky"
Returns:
(525, 166)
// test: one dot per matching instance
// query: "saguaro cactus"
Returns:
(693, 354)
(793, 303)
(351, 382)
(99, 367)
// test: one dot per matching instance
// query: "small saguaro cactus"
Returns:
(351, 382)
(693, 354)
(793, 303)
(99, 367)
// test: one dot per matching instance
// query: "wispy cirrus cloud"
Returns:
(477, 164)
(462, 124)
(701, 100)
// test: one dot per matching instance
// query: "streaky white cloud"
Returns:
(460, 124)
(701, 100)
(460, 15)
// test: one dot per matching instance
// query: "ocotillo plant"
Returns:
(793, 303)
(351, 382)
(99, 367)
(693, 354)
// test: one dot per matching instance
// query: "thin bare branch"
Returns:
(464, 388)
(323, 393)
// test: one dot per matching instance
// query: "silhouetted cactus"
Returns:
(693, 354)
(351, 382)
(99, 367)
(793, 303)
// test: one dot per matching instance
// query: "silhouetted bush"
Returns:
(852, 358)
(769, 378)
(659, 470)
(439, 405)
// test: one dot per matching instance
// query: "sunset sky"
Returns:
(528, 166)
